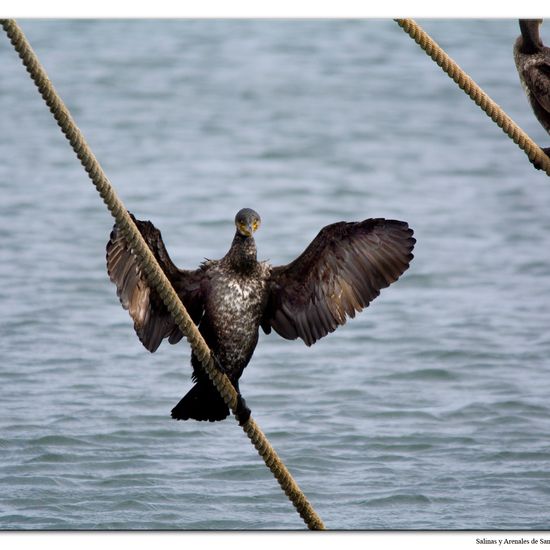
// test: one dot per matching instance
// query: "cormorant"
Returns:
(532, 59)
(340, 272)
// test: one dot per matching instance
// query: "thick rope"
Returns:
(155, 275)
(481, 99)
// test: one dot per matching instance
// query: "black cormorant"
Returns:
(532, 59)
(340, 272)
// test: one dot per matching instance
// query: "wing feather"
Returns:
(534, 72)
(537, 78)
(152, 321)
(340, 273)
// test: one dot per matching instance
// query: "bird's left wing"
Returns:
(340, 272)
(537, 79)
(152, 321)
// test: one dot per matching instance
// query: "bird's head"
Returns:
(247, 221)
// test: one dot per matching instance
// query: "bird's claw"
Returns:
(546, 151)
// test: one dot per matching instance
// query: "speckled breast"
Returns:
(234, 308)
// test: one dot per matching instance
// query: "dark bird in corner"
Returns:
(532, 59)
(340, 272)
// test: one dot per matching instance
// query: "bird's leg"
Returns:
(546, 151)
(219, 366)
(242, 412)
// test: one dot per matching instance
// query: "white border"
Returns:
(271, 9)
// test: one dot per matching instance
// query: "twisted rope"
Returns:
(465, 83)
(155, 275)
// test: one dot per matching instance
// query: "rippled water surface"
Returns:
(430, 410)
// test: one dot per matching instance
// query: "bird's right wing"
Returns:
(152, 321)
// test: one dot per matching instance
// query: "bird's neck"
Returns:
(530, 35)
(242, 254)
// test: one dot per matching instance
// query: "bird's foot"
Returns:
(546, 151)
(242, 412)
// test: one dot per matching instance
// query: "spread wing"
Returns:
(152, 321)
(339, 273)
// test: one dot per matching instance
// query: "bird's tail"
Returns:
(202, 402)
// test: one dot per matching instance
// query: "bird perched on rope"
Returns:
(532, 59)
(340, 272)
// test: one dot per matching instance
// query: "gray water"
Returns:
(429, 410)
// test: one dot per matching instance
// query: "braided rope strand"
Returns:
(155, 275)
(467, 84)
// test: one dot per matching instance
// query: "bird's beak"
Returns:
(246, 230)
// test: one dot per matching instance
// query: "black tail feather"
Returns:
(202, 402)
